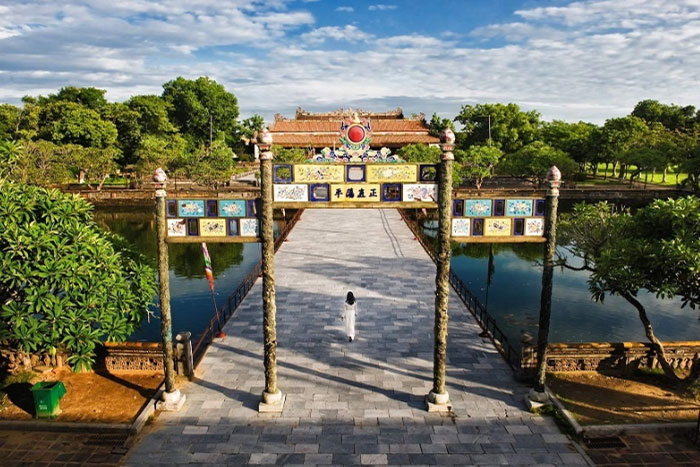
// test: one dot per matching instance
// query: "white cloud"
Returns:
(586, 60)
(345, 9)
(381, 7)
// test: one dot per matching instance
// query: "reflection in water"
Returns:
(190, 299)
(514, 298)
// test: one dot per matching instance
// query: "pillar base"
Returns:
(272, 403)
(171, 401)
(438, 402)
(536, 400)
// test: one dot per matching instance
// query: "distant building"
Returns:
(315, 131)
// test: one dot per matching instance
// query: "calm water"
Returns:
(513, 299)
(513, 296)
(190, 299)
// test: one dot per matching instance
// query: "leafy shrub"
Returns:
(64, 283)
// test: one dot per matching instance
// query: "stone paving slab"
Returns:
(358, 403)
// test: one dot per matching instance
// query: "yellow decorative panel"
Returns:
(212, 227)
(497, 227)
(356, 192)
(392, 173)
(318, 173)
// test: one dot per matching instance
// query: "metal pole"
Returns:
(272, 397)
(171, 399)
(489, 130)
(552, 202)
(438, 400)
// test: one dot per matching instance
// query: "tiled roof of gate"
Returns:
(389, 129)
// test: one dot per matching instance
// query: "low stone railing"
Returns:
(132, 356)
(614, 356)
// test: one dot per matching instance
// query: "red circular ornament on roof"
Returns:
(356, 134)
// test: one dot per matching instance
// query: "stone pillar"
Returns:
(438, 400)
(550, 228)
(272, 397)
(171, 400)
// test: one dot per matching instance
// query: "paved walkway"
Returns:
(359, 402)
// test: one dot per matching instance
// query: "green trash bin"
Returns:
(47, 394)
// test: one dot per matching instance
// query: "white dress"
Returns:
(350, 312)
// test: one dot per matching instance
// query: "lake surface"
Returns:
(513, 296)
(191, 302)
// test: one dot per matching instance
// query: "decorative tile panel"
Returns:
(291, 193)
(212, 227)
(232, 208)
(177, 227)
(461, 227)
(519, 207)
(249, 228)
(355, 192)
(534, 227)
(392, 173)
(497, 227)
(318, 173)
(426, 192)
(477, 208)
(190, 207)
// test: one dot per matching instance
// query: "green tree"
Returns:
(159, 151)
(92, 98)
(619, 135)
(96, 164)
(70, 123)
(534, 161)
(289, 155)
(419, 153)
(575, 139)
(438, 124)
(153, 115)
(656, 249)
(211, 167)
(127, 122)
(45, 164)
(192, 102)
(64, 283)
(10, 157)
(672, 117)
(9, 121)
(511, 128)
(477, 163)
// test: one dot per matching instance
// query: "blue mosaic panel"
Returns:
(232, 229)
(540, 207)
(190, 207)
(477, 207)
(171, 207)
(232, 208)
(285, 179)
(519, 207)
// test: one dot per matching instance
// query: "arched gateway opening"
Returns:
(353, 175)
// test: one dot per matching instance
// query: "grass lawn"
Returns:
(670, 175)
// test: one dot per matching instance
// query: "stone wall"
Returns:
(612, 356)
(132, 356)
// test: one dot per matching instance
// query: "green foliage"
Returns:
(576, 139)
(619, 135)
(166, 151)
(9, 121)
(10, 154)
(672, 117)
(127, 122)
(420, 153)
(657, 248)
(511, 128)
(292, 156)
(193, 101)
(64, 283)
(70, 123)
(152, 115)
(477, 163)
(92, 98)
(534, 161)
(437, 125)
(38, 163)
(97, 164)
(211, 167)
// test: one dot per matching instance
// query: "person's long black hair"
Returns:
(350, 299)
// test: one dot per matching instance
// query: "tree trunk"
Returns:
(605, 176)
(613, 169)
(649, 331)
(663, 177)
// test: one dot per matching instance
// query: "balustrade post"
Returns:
(537, 394)
(272, 397)
(171, 399)
(438, 400)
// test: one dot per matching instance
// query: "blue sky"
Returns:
(571, 60)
